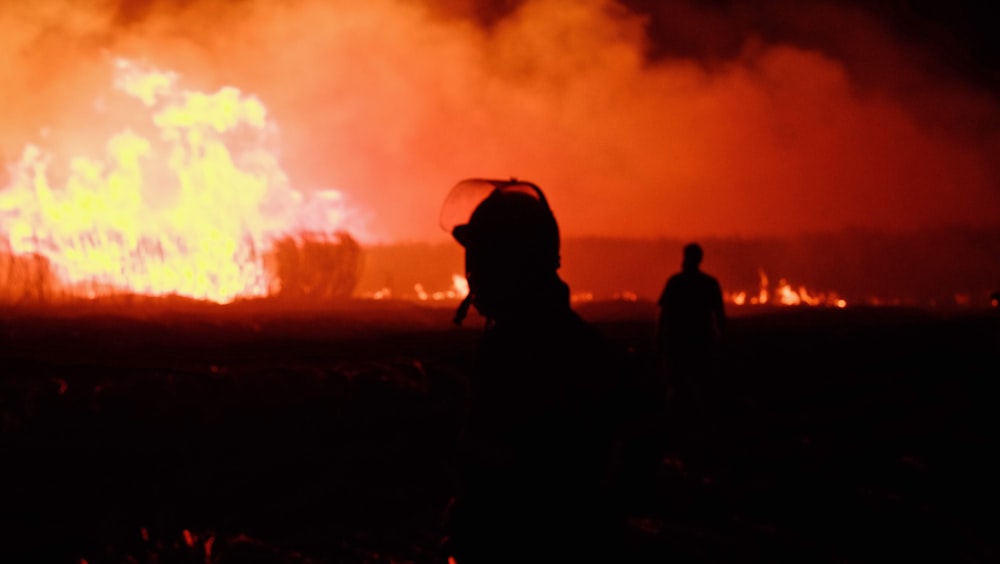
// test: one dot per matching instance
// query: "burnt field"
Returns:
(188, 433)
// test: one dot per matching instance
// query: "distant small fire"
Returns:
(458, 290)
(187, 199)
(783, 294)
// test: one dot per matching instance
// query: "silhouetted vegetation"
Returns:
(328, 435)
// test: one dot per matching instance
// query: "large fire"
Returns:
(187, 199)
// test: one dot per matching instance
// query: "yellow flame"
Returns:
(787, 296)
(189, 209)
(460, 284)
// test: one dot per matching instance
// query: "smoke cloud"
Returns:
(638, 119)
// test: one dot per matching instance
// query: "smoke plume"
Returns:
(638, 119)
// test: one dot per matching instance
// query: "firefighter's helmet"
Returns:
(507, 229)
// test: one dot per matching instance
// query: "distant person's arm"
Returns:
(662, 302)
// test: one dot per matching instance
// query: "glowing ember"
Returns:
(187, 200)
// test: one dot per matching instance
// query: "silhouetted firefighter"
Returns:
(538, 432)
(689, 331)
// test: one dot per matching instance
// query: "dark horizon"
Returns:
(945, 266)
(915, 268)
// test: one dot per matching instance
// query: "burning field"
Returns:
(302, 150)
(187, 199)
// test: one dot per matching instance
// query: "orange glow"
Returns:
(394, 100)
(380, 294)
(187, 200)
(626, 296)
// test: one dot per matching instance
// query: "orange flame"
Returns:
(763, 286)
(785, 295)
(459, 289)
(189, 209)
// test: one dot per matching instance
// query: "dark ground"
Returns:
(263, 434)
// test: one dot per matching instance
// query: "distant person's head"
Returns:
(511, 243)
(692, 256)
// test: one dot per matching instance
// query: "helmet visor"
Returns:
(465, 197)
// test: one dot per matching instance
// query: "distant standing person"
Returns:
(689, 330)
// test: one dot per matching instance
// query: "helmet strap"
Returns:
(463, 309)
